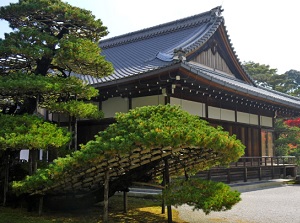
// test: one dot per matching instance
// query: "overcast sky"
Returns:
(263, 31)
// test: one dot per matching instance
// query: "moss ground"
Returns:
(139, 210)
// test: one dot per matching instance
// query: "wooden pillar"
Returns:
(228, 176)
(272, 167)
(259, 173)
(245, 174)
(105, 200)
(167, 177)
(284, 172)
(125, 201)
(209, 174)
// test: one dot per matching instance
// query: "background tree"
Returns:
(261, 73)
(287, 131)
(288, 140)
(51, 42)
(292, 82)
(264, 76)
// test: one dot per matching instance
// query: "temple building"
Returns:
(191, 62)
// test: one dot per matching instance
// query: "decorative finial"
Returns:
(179, 54)
(217, 11)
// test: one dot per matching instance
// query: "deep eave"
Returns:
(206, 77)
(228, 83)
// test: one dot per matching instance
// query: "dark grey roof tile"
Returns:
(153, 48)
(234, 83)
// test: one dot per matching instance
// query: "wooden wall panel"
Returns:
(214, 61)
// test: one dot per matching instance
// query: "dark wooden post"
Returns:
(125, 201)
(245, 174)
(272, 166)
(105, 200)
(259, 173)
(266, 161)
(245, 171)
(167, 178)
(284, 172)
(228, 176)
(209, 175)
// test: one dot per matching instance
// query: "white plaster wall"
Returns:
(266, 121)
(148, 100)
(243, 117)
(228, 115)
(192, 107)
(247, 118)
(113, 105)
(24, 154)
(214, 112)
(253, 119)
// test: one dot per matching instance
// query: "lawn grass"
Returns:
(139, 210)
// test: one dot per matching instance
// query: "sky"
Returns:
(262, 31)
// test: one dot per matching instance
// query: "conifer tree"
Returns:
(51, 45)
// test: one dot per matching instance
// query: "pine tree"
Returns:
(52, 43)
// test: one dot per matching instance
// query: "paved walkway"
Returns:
(271, 205)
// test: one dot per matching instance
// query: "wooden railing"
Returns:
(253, 168)
(265, 161)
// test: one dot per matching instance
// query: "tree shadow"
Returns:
(139, 210)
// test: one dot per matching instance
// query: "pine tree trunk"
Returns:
(105, 199)
(30, 160)
(75, 134)
(167, 178)
(6, 176)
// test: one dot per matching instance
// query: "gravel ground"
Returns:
(272, 205)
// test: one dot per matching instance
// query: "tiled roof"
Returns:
(236, 84)
(153, 48)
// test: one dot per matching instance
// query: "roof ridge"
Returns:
(161, 29)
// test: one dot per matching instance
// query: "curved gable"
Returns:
(218, 53)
